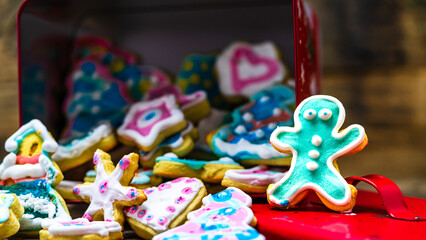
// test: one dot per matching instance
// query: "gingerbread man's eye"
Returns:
(324, 114)
(309, 114)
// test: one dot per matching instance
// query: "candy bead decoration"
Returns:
(165, 204)
(316, 141)
(225, 215)
(149, 122)
(245, 69)
(109, 193)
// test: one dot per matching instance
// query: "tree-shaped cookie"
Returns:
(316, 141)
(110, 193)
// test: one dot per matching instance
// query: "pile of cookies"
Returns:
(221, 131)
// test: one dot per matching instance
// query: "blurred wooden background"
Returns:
(374, 61)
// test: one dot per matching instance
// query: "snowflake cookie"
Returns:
(110, 193)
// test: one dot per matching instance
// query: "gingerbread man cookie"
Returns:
(110, 193)
(316, 141)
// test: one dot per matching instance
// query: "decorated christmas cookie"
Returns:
(93, 97)
(10, 213)
(29, 172)
(148, 123)
(254, 180)
(80, 229)
(244, 69)
(139, 79)
(110, 193)
(180, 144)
(171, 166)
(80, 150)
(166, 207)
(316, 141)
(246, 138)
(225, 215)
(195, 106)
(197, 73)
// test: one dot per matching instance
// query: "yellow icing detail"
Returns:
(117, 65)
(204, 66)
(188, 66)
(195, 79)
(31, 145)
(182, 83)
(207, 84)
(144, 86)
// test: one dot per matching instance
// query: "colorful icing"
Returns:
(247, 136)
(194, 164)
(165, 203)
(198, 73)
(225, 215)
(257, 176)
(93, 97)
(77, 146)
(139, 79)
(80, 226)
(244, 69)
(142, 177)
(107, 192)
(146, 120)
(6, 201)
(315, 141)
(185, 101)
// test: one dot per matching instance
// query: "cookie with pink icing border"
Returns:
(225, 215)
(80, 228)
(166, 207)
(148, 123)
(195, 106)
(253, 180)
(110, 193)
(244, 69)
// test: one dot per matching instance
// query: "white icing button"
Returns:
(316, 140)
(95, 109)
(309, 114)
(96, 96)
(311, 166)
(314, 154)
(170, 155)
(247, 117)
(259, 133)
(325, 114)
(264, 99)
(277, 111)
(240, 129)
(272, 125)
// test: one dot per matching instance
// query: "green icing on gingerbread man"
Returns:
(316, 142)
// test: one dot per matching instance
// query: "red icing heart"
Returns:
(244, 52)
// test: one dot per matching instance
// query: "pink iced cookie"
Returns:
(148, 123)
(195, 106)
(245, 69)
(110, 193)
(255, 180)
(225, 215)
(166, 207)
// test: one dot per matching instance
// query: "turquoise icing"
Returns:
(332, 184)
(261, 107)
(91, 173)
(142, 177)
(6, 201)
(194, 164)
(21, 138)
